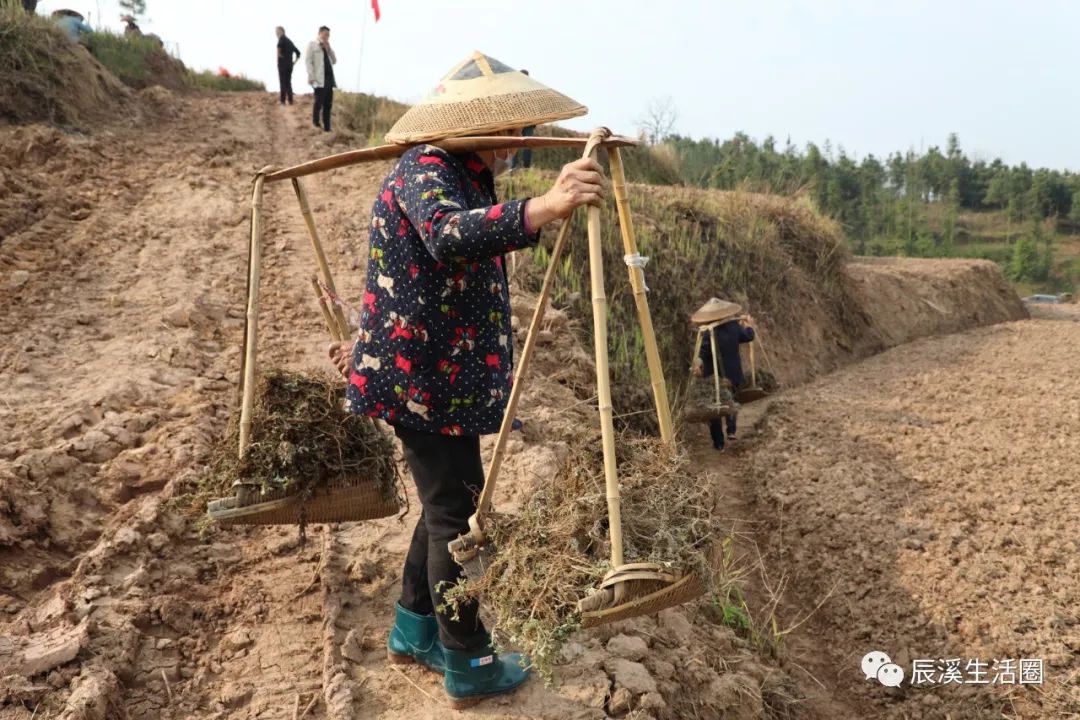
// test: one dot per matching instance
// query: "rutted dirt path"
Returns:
(123, 261)
(122, 320)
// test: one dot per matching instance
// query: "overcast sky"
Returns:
(869, 75)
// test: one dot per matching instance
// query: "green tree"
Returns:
(1025, 259)
(134, 7)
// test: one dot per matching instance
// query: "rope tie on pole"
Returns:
(639, 261)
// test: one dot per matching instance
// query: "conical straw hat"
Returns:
(479, 96)
(714, 311)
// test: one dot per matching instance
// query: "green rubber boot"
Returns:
(472, 675)
(415, 639)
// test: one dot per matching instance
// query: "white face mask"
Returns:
(499, 165)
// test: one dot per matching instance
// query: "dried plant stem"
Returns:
(401, 672)
(310, 705)
(168, 688)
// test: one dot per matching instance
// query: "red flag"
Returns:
(375, 7)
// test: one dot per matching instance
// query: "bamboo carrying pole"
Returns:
(715, 362)
(641, 300)
(753, 368)
(251, 326)
(697, 351)
(451, 145)
(764, 352)
(484, 503)
(603, 387)
(320, 257)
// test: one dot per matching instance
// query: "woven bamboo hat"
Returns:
(714, 311)
(482, 95)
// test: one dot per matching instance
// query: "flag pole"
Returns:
(363, 36)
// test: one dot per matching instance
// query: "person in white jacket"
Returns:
(320, 60)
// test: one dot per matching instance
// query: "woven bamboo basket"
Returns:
(703, 404)
(352, 499)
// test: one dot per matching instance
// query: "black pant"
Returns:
(716, 430)
(324, 100)
(526, 153)
(284, 73)
(449, 475)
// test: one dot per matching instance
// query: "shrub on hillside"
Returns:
(765, 252)
(367, 115)
(48, 78)
(139, 62)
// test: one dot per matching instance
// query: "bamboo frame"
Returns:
(483, 505)
(338, 327)
(603, 387)
(641, 300)
(251, 318)
(715, 363)
(451, 145)
(697, 350)
(626, 591)
(320, 257)
(328, 318)
(753, 367)
(764, 353)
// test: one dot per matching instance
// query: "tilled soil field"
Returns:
(925, 498)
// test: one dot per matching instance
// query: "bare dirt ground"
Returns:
(905, 485)
(123, 263)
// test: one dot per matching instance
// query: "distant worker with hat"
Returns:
(73, 24)
(434, 354)
(724, 324)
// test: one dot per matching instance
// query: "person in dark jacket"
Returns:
(287, 55)
(434, 353)
(526, 153)
(729, 329)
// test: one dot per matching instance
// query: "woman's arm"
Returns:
(430, 193)
(429, 190)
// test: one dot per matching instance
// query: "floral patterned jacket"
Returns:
(435, 350)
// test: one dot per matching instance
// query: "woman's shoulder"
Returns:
(424, 150)
(429, 158)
